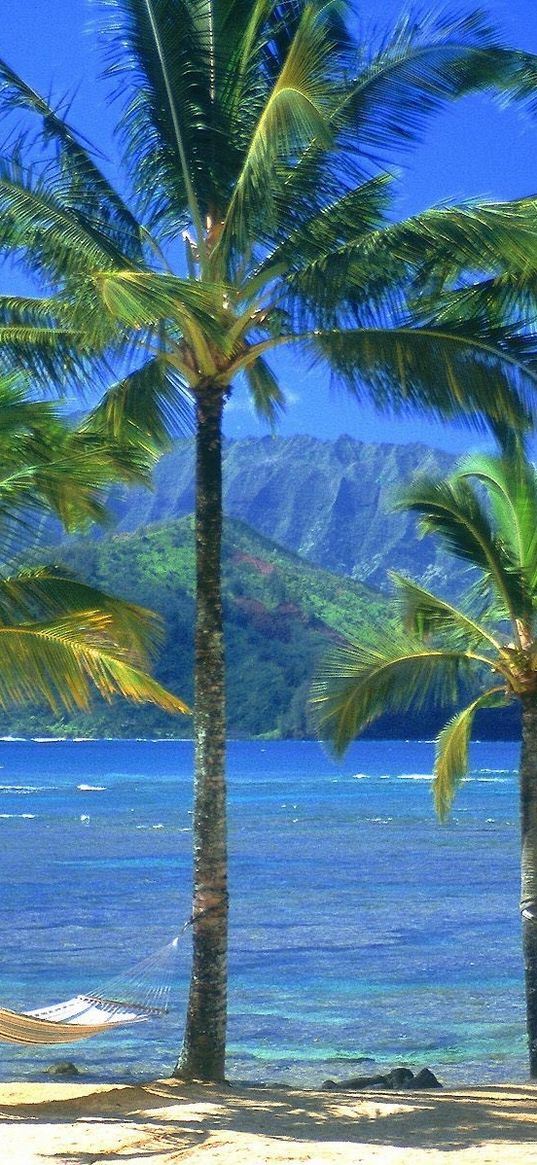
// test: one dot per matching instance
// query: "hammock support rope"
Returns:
(135, 997)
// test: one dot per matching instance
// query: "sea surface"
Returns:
(363, 933)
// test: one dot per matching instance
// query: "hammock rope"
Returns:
(138, 995)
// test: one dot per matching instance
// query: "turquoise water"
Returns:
(363, 933)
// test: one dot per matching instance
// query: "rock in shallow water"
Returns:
(398, 1078)
(425, 1079)
(62, 1068)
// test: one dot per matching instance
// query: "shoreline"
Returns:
(166, 1121)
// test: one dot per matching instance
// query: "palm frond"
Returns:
(266, 394)
(294, 114)
(453, 511)
(161, 75)
(49, 466)
(426, 61)
(319, 264)
(89, 190)
(511, 486)
(45, 594)
(503, 307)
(140, 299)
(146, 409)
(74, 480)
(452, 746)
(424, 270)
(498, 237)
(41, 335)
(352, 217)
(38, 212)
(390, 672)
(53, 356)
(426, 614)
(63, 660)
(448, 373)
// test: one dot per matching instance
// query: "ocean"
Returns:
(364, 934)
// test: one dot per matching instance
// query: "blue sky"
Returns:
(474, 149)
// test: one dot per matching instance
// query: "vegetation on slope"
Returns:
(281, 613)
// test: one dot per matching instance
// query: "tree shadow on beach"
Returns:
(163, 1121)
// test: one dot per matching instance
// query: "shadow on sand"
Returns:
(172, 1118)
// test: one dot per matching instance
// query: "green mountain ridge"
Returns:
(331, 502)
(282, 609)
(281, 614)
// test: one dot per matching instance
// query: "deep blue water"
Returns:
(363, 933)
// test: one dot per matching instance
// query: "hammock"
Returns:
(139, 995)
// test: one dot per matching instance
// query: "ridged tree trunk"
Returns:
(528, 897)
(203, 1052)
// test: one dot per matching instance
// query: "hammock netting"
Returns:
(138, 995)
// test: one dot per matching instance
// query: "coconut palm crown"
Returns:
(255, 214)
(483, 647)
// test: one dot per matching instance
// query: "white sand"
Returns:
(166, 1121)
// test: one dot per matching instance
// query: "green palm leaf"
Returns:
(492, 236)
(453, 511)
(266, 394)
(38, 211)
(47, 465)
(423, 63)
(336, 227)
(146, 408)
(145, 299)
(426, 614)
(452, 747)
(294, 114)
(75, 161)
(62, 661)
(167, 113)
(389, 672)
(510, 483)
(431, 368)
(355, 264)
(44, 594)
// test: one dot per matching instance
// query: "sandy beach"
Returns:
(165, 1121)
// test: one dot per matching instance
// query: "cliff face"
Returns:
(329, 501)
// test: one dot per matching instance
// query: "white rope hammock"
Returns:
(140, 994)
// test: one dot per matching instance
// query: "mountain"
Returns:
(329, 501)
(281, 614)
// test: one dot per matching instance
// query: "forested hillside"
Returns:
(330, 501)
(281, 613)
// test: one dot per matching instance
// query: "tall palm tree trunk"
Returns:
(203, 1052)
(528, 898)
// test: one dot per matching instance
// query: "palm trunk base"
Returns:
(203, 1053)
(530, 967)
(528, 895)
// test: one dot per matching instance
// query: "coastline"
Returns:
(166, 1121)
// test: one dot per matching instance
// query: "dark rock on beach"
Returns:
(355, 1082)
(62, 1068)
(425, 1079)
(398, 1078)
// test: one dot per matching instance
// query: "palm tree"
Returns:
(59, 638)
(484, 647)
(254, 216)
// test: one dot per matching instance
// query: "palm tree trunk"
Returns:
(528, 898)
(203, 1052)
